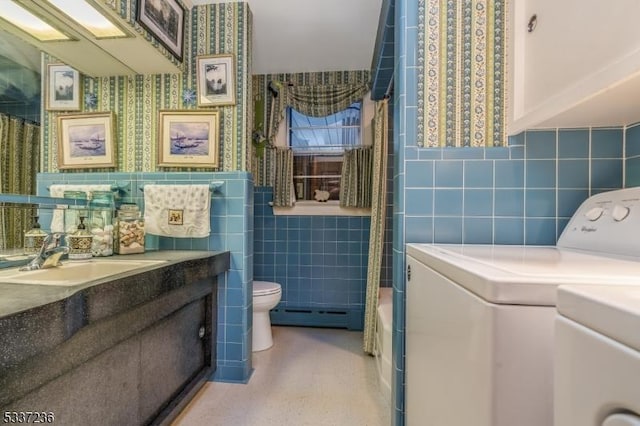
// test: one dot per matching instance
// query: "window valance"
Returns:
(316, 100)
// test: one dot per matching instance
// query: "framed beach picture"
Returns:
(188, 138)
(86, 140)
(63, 88)
(164, 19)
(215, 80)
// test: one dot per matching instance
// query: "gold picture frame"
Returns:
(63, 88)
(216, 80)
(86, 140)
(188, 138)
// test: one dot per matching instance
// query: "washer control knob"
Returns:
(620, 213)
(594, 214)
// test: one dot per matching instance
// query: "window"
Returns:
(318, 145)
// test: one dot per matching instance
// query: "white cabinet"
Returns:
(580, 66)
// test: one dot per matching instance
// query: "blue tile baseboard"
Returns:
(351, 319)
(232, 372)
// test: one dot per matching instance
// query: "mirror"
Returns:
(20, 96)
(19, 78)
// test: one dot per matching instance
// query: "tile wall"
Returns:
(632, 156)
(523, 194)
(320, 261)
(231, 230)
(386, 270)
(20, 92)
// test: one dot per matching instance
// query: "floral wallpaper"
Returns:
(462, 65)
(137, 99)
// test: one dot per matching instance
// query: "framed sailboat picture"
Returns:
(86, 140)
(188, 139)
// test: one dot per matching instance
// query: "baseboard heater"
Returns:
(352, 319)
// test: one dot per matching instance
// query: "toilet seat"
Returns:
(622, 420)
(265, 288)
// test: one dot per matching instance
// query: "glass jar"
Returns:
(72, 213)
(129, 230)
(34, 238)
(80, 242)
(101, 210)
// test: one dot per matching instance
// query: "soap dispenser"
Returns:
(80, 242)
(34, 238)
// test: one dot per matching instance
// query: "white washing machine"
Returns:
(480, 318)
(597, 356)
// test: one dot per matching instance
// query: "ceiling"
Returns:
(291, 36)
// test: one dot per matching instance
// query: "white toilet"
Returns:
(266, 296)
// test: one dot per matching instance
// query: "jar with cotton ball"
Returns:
(101, 211)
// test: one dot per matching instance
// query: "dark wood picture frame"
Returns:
(165, 23)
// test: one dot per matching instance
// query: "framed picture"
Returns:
(164, 19)
(188, 138)
(86, 140)
(215, 80)
(63, 88)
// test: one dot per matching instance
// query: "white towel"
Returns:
(181, 211)
(57, 191)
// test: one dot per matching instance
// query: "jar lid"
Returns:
(129, 207)
(80, 195)
(102, 199)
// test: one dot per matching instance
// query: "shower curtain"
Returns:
(378, 216)
(19, 161)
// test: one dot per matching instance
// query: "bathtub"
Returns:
(383, 340)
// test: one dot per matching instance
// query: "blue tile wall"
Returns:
(20, 92)
(550, 186)
(405, 150)
(521, 194)
(386, 271)
(632, 155)
(232, 211)
(320, 261)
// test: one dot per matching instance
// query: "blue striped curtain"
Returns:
(19, 162)
(316, 101)
(282, 163)
(355, 183)
(378, 218)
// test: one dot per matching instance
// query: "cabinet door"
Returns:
(576, 67)
(172, 353)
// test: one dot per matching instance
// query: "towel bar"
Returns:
(213, 186)
(119, 186)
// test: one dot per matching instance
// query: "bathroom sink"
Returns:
(74, 273)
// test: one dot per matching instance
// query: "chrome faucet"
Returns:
(49, 254)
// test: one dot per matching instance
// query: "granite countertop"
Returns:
(48, 330)
(17, 298)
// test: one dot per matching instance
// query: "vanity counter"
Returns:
(141, 340)
(16, 298)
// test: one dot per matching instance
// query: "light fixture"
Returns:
(30, 23)
(91, 19)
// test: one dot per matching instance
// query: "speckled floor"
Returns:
(311, 376)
